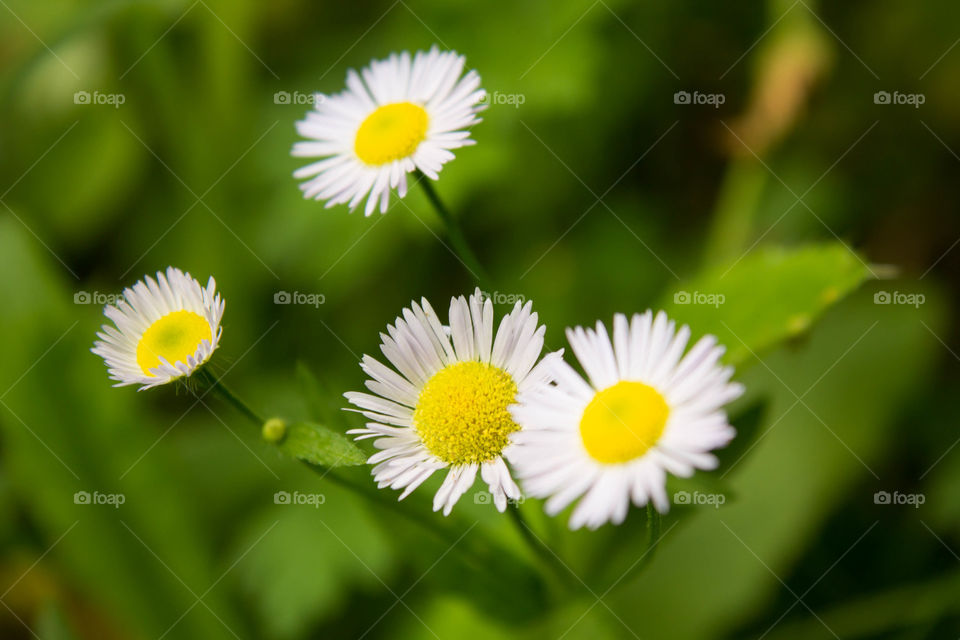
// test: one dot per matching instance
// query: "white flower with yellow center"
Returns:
(164, 329)
(403, 115)
(646, 410)
(446, 404)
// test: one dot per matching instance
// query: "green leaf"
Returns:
(768, 296)
(319, 445)
(807, 465)
(52, 623)
(311, 565)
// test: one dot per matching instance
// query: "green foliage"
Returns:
(597, 195)
(81, 438)
(307, 562)
(811, 455)
(52, 624)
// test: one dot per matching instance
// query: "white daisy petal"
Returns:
(468, 474)
(461, 329)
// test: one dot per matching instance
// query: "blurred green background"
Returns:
(601, 192)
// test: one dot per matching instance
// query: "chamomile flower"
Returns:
(647, 410)
(445, 406)
(403, 114)
(162, 329)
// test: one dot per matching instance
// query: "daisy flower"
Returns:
(403, 114)
(444, 407)
(162, 329)
(646, 410)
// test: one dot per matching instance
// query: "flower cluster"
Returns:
(462, 399)
(468, 394)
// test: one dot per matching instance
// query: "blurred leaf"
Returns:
(747, 423)
(806, 461)
(94, 438)
(943, 490)
(877, 614)
(454, 616)
(766, 297)
(111, 159)
(317, 396)
(52, 624)
(321, 446)
(304, 561)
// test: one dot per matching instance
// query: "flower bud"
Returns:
(274, 430)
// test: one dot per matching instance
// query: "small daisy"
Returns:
(401, 116)
(445, 406)
(164, 329)
(647, 410)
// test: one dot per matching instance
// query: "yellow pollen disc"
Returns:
(461, 415)
(175, 336)
(623, 422)
(391, 132)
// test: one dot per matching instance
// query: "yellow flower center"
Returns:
(175, 336)
(461, 414)
(623, 422)
(391, 132)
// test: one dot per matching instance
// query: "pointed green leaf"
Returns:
(768, 296)
(321, 446)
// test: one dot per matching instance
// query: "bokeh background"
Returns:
(593, 189)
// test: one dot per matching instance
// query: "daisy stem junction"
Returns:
(454, 232)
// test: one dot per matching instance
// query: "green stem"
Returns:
(539, 547)
(375, 497)
(217, 385)
(454, 232)
(653, 537)
(736, 210)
